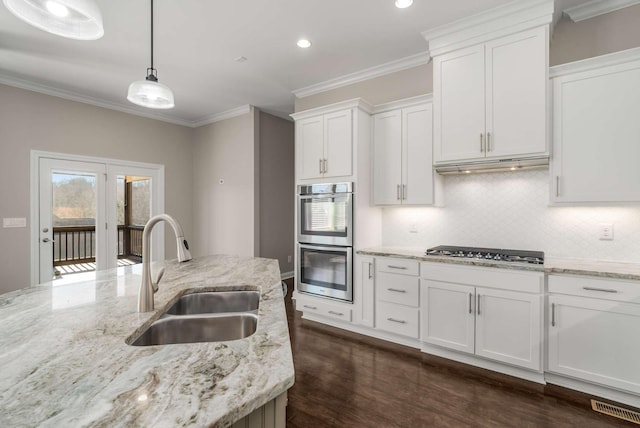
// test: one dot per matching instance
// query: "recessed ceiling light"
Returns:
(401, 4)
(304, 43)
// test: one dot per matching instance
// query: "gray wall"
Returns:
(224, 192)
(277, 186)
(29, 120)
(571, 41)
(601, 35)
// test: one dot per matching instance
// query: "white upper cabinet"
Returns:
(490, 100)
(402, 156)
(490, 78)
(596, 131)
(324, 145)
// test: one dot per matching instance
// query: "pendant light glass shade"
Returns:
(74, 19)
(147, 93)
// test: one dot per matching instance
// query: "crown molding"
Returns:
(403, 103)
(74, 96)
(515, 16)
(207, 120)
(601, 61)
(366, 74)
(595, 8)
(342, 105)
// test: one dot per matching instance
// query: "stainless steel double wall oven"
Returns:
(325, 240)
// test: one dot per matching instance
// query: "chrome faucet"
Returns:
(147, 286)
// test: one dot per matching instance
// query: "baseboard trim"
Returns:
(593, 389)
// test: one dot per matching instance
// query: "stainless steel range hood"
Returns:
(497, 165)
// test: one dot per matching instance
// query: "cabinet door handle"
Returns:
(478, 306)
(404, 192)
(310, 307)
(320, 166)
(557, 186)
(336, 313)
(395, 320)
(370, 274)
(326, 163)
(398, 192)
(396, 267)
(488, 141)
(470, 303)
(604, 290)
(553, 315)
(397, 290)
(481, 142)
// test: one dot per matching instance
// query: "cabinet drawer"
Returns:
(397, 319)
(606, 289)
(404, 267)
(402, 289)
(326, 309)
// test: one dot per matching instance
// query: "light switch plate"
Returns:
(14, 222)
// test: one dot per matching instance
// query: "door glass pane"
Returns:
(133, 212)
(74, 205)
(324, 268)
(324, 216)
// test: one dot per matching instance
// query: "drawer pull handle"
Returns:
(395, 320)
(553, 315)
(397, 290)
(336, 313)
(604, 290)
(396, 267)
(310, 307)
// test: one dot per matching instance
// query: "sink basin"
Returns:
(215, 302)
(191, 329)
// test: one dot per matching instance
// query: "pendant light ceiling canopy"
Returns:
(149, 93)
(74, 19)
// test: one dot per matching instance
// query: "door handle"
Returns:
(398, 192)
(325, 163)
(553, 315)
(404, 192)
(481, 142)
(478, 306)
(320, 166)
(47, 240)
(370, 274)
(470, 303)
(488, 141)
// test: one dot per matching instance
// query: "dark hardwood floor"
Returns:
(348, 380)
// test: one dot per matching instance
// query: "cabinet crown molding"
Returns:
(342, 105)
(510, 18)
(588, 64)
(594, 8)
(403, 103)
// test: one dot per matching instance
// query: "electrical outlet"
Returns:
(288, 259)
(606, 232)
(413, 228)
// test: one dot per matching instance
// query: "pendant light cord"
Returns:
(152, 35)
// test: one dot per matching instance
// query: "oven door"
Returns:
(326, 219)
(326, 271)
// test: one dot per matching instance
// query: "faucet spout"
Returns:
(147, 286)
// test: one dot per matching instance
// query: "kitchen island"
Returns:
(66, 361)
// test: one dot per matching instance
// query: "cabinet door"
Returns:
(595, 340)
(417, 155)
(596, 135)
(364, 292)
(310, 147)
(448, 315)
(387, 157)
(338, 138)
(516, 94)
(459, 104)
(509, 327)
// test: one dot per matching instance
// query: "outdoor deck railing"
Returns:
(77, 244)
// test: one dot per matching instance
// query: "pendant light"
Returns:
(74, 19)
(149, 93)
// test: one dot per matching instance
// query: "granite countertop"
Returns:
(552, 265)
(65, 361)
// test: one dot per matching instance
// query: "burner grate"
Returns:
(489, 254)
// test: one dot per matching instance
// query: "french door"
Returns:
(91, 211)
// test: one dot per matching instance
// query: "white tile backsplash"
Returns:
(511, 210)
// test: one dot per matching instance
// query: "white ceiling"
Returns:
(196, 42)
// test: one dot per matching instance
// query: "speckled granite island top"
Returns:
(552, 265)
(64, 361)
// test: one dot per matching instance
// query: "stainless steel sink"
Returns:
(212, 316)
(191, 329)
(215, 302)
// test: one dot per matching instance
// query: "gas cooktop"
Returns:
(494, 254)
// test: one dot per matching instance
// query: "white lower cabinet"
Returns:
(324, 307)
(364, 291)
(593, 331)
(475, 311)
(397, 290)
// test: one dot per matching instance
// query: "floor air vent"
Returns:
(616, 411)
